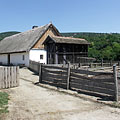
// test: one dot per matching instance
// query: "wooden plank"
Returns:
(54, 76)
(5, 70)
(3, 78)
(54, 79)
(80, 71)
(45, 76)
(17, 75)
(12, 77)
(15, 84)
(92, 84)
(54, 71)
(8, 70)
(54, 67)
(94, 78)
(93, 89)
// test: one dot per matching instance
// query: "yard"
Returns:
(32, 102)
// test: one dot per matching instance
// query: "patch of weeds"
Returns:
(3, 102)
(116, 104)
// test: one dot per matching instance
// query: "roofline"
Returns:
(44, 33)
(62, 43)
(13, 52)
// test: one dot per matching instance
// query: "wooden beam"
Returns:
(68, 76)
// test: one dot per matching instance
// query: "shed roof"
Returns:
(23, 41)
(68, 40)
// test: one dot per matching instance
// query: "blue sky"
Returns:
(66, 15)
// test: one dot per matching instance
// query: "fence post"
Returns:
(102, 63)
(118, 63)
(110, 62)
(40, 74)
(68, 76)
(116, 82)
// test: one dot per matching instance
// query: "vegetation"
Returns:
(6, 34)
(3, 102)
(103, 45)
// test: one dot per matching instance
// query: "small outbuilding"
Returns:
(62, 49)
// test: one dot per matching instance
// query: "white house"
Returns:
(20, 48)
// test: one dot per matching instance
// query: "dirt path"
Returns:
(31, 102)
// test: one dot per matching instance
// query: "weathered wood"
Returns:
(54, 71)
(54, 80)
(102, 63)
(93, 89)
(100, 78)
(58, 76)
(8, 74)
(3, 78)
(5, 70)
(116, 82)
(15, 82)
(56, 58)
(40, 73)
(54, 67)
(93, 83)
(18, 82)
(68, 76)
(80, 71)
(8, 77)
(51, 78)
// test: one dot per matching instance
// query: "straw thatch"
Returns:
(67, 40)
(22, 42)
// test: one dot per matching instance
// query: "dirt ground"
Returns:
(32, 102)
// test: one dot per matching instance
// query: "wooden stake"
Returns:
(116, 82)
(68, 77)
(40, 74)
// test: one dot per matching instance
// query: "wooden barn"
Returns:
(63, 49)
(42, 44)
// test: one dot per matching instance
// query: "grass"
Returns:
(3, 102)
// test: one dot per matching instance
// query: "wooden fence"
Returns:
(85, 81)
(9, 77)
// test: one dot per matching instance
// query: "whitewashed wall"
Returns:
(17, 58)
(4, 59)
(34, 55)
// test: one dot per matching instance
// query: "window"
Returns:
(41, 57)
(23, 57)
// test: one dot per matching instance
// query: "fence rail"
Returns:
(9, 77)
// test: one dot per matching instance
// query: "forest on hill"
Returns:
(7, 34)
(103, 45)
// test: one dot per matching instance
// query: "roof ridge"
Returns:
(25, 32)
(68, 37)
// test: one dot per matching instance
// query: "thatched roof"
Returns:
(23, 41)
(68, 40)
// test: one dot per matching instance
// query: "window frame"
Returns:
(41, 57)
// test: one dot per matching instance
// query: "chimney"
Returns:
(33, 27)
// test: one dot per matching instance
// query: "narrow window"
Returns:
(41, 57)
(23, 57)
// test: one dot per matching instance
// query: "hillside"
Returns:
(6, 34)
(103, 45)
